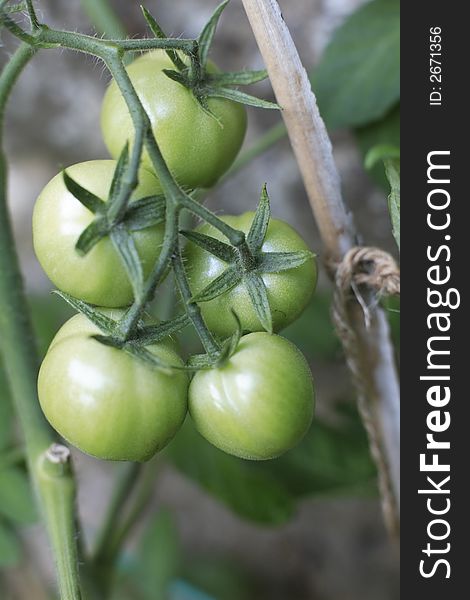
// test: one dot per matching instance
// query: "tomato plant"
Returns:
(106, 402)
(258, 404)
(59, 219)
(198, 146)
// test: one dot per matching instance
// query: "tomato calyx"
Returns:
(202, 83)
(135, 345)
(140, 214)
(200, 362)
(247, 263)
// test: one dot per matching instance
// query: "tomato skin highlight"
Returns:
(289, 292)
(260, 403)
(59, 219)
(196, 147)
(104, 401)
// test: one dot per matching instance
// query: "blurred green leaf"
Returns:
(251, 492)
(16, 498)
(330, 459)
(392, 170)
(158, 557)
(9, 547)
(358, 78)
(6, 423)
(219, 577)
(48, 313)
(377, 154)
(385, 132)
(313, 332)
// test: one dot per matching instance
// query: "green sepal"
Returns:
(231, 344)
(109, 340)
(178, 77)
(220, 285)
(146, 212)
(236, 78)
(207, 34)
(238, 96)
(126, 248)
(152, 334)
(90, 236)
(259, 299)
(259, 226)
(105, 324)
(274, 262)
(219, 249)
(159, 33)
(142, 354)
(118, 175)
(89, 200)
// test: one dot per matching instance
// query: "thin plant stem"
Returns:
(54, 484)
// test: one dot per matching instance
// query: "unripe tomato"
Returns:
(259, 404)
(106, 402)
(59, 219)
(197, 147)
(288, 291)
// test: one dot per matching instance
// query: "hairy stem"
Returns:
(55, 490)
(192, 309)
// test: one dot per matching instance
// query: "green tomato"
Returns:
(259, 404)
(58, 220)
(197, 147)
(289, 291)
(106, 402)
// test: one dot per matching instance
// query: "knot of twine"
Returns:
(368, 266)
(366, 274)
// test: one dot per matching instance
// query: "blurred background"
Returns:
(307, 526)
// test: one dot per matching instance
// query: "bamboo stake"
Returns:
(371, 359)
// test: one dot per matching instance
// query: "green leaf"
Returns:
(89, 200)
(159, 33)
(274, 262)
(159, 556)
(358, 78)
(10, 551)
(16, 498)
(90, 236)
(259, 298)
(145, 212)
(220, 285)
(104, 323)
(127, 250)
(223, 251)
(259, 226)
(236, 77)
(250, 492)
(379, 153)
(6, 413)
(207, 34)
(238, 96)
(330, 459)
(385, 132)
(392, 169)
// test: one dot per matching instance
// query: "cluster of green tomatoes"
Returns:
(256, 403)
